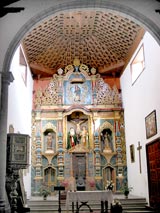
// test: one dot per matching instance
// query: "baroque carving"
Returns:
(49, 96)
(103, 94)
(77, 86)
(106, 95)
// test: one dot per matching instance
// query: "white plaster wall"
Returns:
(20, 107)
(138, 101)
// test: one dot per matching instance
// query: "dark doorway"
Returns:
(153, 161)
(79, 170)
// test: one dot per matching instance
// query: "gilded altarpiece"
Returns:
(77, 132)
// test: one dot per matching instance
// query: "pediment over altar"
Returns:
(75, 84)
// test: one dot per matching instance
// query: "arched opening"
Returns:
(114, 7)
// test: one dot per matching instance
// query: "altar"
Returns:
(78, 133)
(82, 198)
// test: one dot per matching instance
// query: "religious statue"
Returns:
(107, 141)
(49, 141)
(77, 93)
(84, 136)
(71, 138)
(78, 129)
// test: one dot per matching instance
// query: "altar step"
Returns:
(135, 205)
(44, 206)
(130, 205)
(52, 206)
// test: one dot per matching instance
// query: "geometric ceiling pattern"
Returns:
(99, 38)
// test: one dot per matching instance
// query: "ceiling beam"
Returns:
(111, 68)
(41, 68)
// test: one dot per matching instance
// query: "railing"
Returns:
(16, 192)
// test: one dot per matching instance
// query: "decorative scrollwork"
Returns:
(84, 67)
(49, 96)
(69, 68)
(106, 95)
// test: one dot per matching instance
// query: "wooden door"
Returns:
(153, 161)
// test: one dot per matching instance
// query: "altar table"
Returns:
(83, 197)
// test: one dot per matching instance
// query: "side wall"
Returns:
(20, 106)
(140, 100)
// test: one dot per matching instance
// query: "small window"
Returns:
(23, 66)
(137, 65)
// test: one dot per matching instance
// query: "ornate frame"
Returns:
(151, 124)
(132, 153)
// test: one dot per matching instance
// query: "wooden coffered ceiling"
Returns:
(100, 39)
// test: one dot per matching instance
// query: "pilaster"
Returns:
(6, 78)
(0, 86)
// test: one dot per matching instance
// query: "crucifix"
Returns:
(139, 149)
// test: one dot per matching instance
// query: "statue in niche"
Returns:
(71, 138)
(106, 139)
(49, 142)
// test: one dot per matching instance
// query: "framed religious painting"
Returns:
(151, 124)
(132, 154)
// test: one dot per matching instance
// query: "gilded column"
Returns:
(60, 90)
(60, 150)
(97, 155)
(7, 77)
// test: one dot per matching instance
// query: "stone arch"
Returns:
(138, 17)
